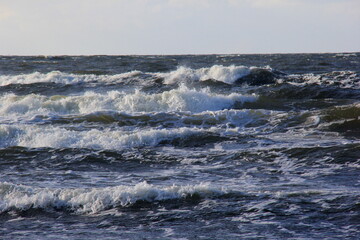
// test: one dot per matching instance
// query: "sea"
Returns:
(263, 146)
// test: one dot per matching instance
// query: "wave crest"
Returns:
(226, 74)
(63, 78)
(94, 200)
(180, 99)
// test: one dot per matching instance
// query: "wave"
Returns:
(180, 99)
(64, 78)
(226, 74)
(230, 75)
(344, 119)
(307, 91)
(123, 130)
(57, 137)
(220, 73)
(339, 79)
(15, 197)
(228, 117)
(338, 113)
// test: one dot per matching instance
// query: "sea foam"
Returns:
(63, 78)
(94, 200)
(217, 72)
(226, 74)
(180, 99)
(58, 137)
(342, 79)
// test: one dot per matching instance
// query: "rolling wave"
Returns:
(180, 99)
(58, 137)
(226, 74)
(63, 78)
(21, 198)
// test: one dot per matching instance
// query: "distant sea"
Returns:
(180, 147)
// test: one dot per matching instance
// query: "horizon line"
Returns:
(175, 54)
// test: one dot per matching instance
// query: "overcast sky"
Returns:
(72, 27)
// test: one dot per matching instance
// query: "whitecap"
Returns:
(58, 137)
(63, 78)
(94, 200)
(226, 74)
(180, 99)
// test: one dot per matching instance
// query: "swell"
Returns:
(343, 119)
(206, 119)
(312, 91)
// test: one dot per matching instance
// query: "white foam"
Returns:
(94, 200)
(342, 79)
(63, 78)
(8, 135)
(185, 126)
(181, 99)
(226, 74)
(57, 137)
(346, 55)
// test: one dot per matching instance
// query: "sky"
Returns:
(142, 27)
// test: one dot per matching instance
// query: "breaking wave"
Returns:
(93, 200)
(57, 137)
(63, 78)
(225, 74)
(220, 73)
(181, 99)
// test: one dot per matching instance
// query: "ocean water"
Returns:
(180, 147)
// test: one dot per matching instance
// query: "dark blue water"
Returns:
(180, 147)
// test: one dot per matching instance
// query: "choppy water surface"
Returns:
(180, 147)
